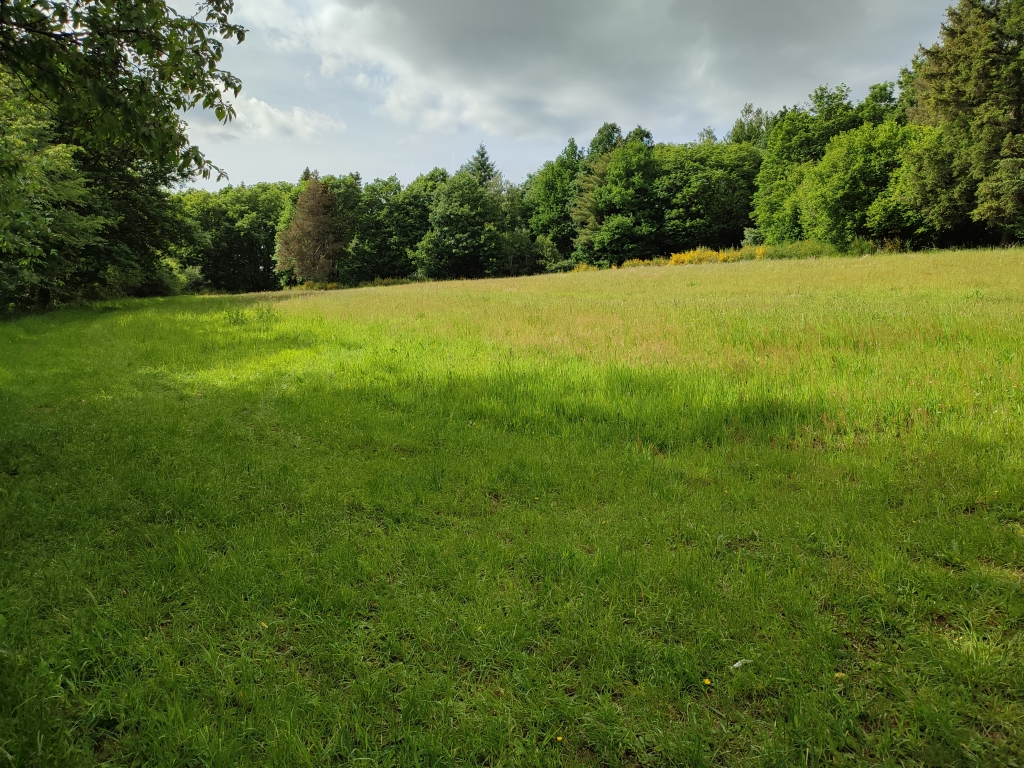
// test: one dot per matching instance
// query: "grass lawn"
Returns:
(751, 514)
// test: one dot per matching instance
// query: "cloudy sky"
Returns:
(401, 86)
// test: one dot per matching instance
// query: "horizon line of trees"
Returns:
(933, 159)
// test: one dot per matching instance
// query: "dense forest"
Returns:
(88, 207)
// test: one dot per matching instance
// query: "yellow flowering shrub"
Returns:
(707, 256)
(801, 250)
(658, 262)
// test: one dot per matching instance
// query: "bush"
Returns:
(659, 262)
(178, 279)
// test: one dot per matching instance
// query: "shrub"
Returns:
(658, 262)
(803, 249)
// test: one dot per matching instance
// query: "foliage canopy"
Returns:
(120, 72)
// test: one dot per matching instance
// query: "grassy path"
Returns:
(750, 514)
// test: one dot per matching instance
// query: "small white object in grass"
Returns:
(742, 663)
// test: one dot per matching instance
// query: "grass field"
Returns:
(745, 514)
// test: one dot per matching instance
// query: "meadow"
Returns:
(766, 513)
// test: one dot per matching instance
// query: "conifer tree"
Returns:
(970, 87)
(308, 246)
(480, 167)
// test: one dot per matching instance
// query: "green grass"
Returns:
(521, 522)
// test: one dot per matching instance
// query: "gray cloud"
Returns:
(419, 82)
(536, 67)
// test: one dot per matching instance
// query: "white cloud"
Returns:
(259, 120)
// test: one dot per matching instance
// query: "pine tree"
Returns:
(309, 244)
(480, 167)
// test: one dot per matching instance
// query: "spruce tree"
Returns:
(480, 167)
(970, 87)
(308, 246)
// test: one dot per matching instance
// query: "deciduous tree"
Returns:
(121, 72)
(236, 238)
(463, 237)
(551, 195)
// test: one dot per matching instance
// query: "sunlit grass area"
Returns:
(762, 513)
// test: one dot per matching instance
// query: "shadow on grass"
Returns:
(229, 517)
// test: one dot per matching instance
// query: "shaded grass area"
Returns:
(523, 522)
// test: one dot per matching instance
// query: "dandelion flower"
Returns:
(559, 738)
(706, 681)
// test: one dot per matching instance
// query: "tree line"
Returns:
(933, 159)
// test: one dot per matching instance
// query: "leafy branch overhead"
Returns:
(121, 72)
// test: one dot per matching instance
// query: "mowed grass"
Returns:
(745, 514)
